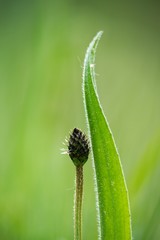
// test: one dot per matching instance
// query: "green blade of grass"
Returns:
(112, 196)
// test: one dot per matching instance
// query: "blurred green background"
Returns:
(42, 47)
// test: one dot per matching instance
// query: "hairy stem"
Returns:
(78, 204)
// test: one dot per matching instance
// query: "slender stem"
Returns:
(78, 204)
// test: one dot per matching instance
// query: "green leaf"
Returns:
(112, 196)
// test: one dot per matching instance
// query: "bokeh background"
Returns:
(42, 47)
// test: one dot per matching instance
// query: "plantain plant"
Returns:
(114, 220)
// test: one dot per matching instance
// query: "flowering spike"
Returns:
(78, 147)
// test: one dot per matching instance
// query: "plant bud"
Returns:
(78, 147)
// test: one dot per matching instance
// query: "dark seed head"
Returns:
(78, 147)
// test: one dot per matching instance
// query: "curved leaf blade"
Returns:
(112, 195)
